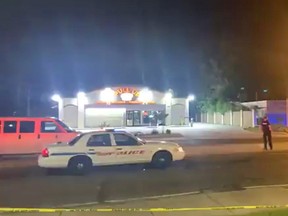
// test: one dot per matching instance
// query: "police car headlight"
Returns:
(180, 149)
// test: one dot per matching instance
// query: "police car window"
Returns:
(125, 140)
(100, 140)
(75, 140)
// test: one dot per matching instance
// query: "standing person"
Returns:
(266, 129)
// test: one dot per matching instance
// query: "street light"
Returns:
(81, 95)
(191, 98)
(56, 97)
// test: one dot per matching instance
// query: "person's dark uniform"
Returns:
(266, 129)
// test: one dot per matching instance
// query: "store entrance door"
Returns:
(133, 118)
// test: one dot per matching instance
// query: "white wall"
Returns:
(70, 112)
(179, 111)
(71, 115)
(243, 119)
(95, 117)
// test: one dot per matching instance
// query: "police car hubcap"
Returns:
(80, 166)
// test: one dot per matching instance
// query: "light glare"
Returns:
(168, 96)
(107, 95)
(82, 99)
(191, 98)
(81, 95)
(56, 97)
(145, 96)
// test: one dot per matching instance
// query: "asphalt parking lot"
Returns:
(31, 187)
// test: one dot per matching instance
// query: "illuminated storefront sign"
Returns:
(127, 94)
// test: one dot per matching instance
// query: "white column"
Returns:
(231, 117)
(81, 112)
(253, 117)
(214, 117)
(124, 121)
(168, 110)
(207, 120)
(187, 118)
(60, 110)
(241, 118)
(222, 119)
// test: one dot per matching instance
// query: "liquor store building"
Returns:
(123, 106)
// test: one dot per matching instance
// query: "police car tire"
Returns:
(80, 165)
(162, 159)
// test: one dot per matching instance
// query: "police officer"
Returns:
(266, 129)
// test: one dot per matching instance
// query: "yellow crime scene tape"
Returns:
(54, 210)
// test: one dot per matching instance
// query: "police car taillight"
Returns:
(45, 153)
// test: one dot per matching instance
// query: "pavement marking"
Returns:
(266, 186)
(134, 199)
(154, 197)
(213, 208)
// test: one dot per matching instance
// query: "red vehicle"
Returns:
(27, 135)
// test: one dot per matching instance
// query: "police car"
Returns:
(108, 148)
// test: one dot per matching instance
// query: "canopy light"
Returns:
(107, 95)
(145, 96)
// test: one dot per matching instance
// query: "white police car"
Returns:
(108, 148)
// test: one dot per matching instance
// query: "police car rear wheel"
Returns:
(162, 160)
(80, 165)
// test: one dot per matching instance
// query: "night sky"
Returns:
(69, 45)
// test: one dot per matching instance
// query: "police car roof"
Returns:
(107, 131)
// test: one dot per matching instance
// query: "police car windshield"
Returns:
(140, 140)
(67, 128)
(75, 140)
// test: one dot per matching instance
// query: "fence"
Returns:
(240, 118)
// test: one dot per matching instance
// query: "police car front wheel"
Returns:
(162, 159)
(80, 165)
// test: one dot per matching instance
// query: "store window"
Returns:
(153, 117)
(133, 118)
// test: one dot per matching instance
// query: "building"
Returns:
(274, 109)
(250, 114)
(123, 106)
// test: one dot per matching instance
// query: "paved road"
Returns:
(210, 141)
(30, 187)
